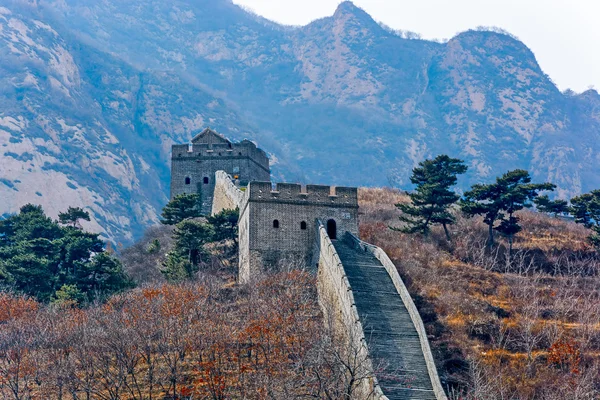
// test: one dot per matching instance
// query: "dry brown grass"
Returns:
(493, 321)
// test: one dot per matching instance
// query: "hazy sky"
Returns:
(563, 34)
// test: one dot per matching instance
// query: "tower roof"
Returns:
(208, 136)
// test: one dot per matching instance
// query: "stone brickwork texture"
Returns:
(292, 224)
(193, 166)
(338, 305)
(281, 222)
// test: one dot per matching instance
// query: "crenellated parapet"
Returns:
(277, 222)
(194, 165)
(290, 225)
(292, 193)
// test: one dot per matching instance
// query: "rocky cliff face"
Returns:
(93, 94)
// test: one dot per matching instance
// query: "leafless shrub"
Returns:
(142, 261)
(201, 339)
(511, 318)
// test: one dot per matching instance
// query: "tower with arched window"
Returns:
(278, 224)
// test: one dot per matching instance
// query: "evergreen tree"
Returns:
(499, 201)
(555, 207)
(69, 295)
(28, 273)
(190, 237)
(182, 207)
(432, 197)
(177, 268)
(39, 257)
(102, 275)
(30, 223)
(225, 225)
(72, 216)
(586, 210)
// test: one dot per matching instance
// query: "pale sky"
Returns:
(563, 34)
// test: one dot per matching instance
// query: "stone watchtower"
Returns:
(193, 165)
(279, 225)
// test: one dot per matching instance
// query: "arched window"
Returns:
(205, 180)
(187, 180)
(303, 225)
(275, 223)
(332, 229)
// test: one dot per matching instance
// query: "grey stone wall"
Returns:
(244, 244)
(227, 196)
(193, 167)
(412, 310)
(341, 316)
(293, 207)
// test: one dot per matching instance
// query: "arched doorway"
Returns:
(332, 229)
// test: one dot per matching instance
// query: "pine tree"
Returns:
(72, 216)
(177, 268)
(39, 257)
(555, 207)
(225, 225)
(586, 210)
(499, 201)
(182, 207)
(190, 237)
(432, 197)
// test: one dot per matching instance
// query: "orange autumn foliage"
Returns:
(566, 356)
(193, 340)
(12, 307)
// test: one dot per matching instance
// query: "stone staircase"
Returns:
(391, 336)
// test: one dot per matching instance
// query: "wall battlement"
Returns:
(319, 195)
(193, 165)
(206, 152)
(282, 224)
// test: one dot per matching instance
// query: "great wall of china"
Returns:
(360, 291)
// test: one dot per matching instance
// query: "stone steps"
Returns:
(392, 339)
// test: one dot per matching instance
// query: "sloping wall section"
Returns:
(337, 302)
(336, 295)
(410, 306)
(227, 196)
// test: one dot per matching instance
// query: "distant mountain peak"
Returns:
(350, 12)
(347, 6)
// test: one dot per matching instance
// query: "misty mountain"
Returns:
(93, 93)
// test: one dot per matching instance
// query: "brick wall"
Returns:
(227, 196)
(341, 316)
(281, 222)
(194, 171)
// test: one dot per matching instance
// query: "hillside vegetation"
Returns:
(200, 340)
(520, 327)
(523, 325)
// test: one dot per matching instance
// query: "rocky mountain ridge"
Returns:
(94, 93)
